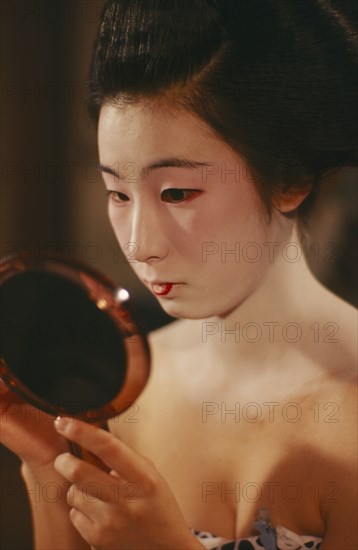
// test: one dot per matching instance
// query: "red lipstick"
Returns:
(161, 289)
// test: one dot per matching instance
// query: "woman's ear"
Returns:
(290, 199)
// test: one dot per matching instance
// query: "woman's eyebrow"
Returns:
(172, 162)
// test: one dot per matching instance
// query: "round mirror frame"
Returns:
(112, 301)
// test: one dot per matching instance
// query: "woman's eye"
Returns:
(178, 195)
(117, 197)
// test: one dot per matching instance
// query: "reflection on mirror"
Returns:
(70, 342)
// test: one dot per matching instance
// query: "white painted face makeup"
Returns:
(185, 201)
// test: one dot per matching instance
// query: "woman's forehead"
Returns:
(158, 132)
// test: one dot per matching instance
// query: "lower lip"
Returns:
(164, 290)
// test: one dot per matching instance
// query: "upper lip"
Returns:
(160, 282)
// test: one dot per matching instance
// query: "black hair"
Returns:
(275, 79)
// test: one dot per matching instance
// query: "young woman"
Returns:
(217, 123)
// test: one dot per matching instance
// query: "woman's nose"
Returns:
(148, 236)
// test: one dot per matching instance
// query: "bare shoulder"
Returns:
(338, 310)
(334, 334)
(332, 396)
(335, 436)
(328, 434)
(336, 393)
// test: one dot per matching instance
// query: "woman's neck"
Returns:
(273, 313)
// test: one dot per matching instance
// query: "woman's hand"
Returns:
(129, 508)
(28, 432)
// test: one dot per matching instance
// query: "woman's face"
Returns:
(184, 210)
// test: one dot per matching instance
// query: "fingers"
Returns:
(78, 471)
(80, 498)
(81, 522)
(94, 483)
(95, 534)
(111, 450)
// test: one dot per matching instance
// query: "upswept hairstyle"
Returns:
(275, 79)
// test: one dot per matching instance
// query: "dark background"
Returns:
(52, 195)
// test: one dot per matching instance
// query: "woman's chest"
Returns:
(222, 465)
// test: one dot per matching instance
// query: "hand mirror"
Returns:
(70, 342)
